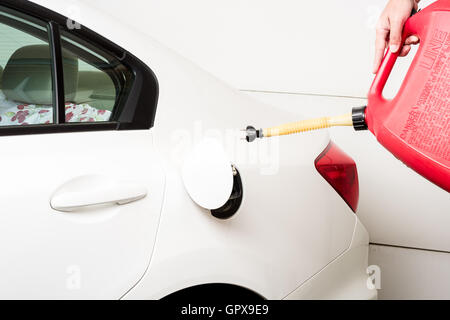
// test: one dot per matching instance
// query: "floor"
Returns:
(411, 274)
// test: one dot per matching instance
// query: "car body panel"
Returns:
(346, 277)
(96, 253)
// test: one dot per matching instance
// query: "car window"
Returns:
(55, 79)
(95, 81)
(26, 79)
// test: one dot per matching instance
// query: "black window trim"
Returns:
(58, 76)
(137, 113)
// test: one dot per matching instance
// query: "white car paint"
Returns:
(94, 190)
(207, 174)
(92, 253)
(291, 228)
(344, 278)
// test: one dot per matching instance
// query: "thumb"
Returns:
(395, 36)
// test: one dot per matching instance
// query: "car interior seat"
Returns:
(27, 77)
(27, 89)
(97, 89)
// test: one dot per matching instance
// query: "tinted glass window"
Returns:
(96, 83)
(26, 79)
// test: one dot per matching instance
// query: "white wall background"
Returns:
(315, 47)
(315, 58)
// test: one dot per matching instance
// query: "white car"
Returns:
(112, 151)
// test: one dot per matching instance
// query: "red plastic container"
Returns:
(415, 125)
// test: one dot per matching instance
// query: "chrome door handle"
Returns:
(90, 191)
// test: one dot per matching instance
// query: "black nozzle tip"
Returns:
(252, 134)
(359, 118)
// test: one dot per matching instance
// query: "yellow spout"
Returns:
(309, 125)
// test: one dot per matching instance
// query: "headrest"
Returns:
(27, 77)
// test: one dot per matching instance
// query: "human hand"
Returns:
(390, 29)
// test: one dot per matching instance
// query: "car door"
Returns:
(80, 198)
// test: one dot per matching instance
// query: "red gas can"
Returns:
(415, 125)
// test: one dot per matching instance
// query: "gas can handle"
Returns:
(376, 90)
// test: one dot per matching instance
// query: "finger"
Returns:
(395, 36)
(380, 46)
(412, 40)
(405, 50)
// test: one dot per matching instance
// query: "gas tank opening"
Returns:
(230, 208)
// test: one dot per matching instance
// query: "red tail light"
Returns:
(340, 172)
